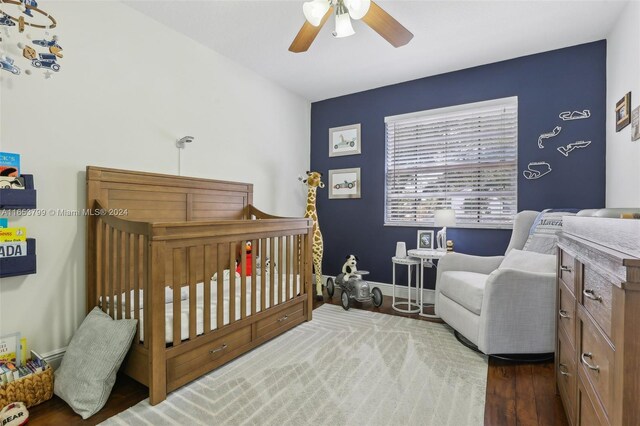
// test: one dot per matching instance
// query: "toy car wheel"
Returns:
(349, 185)
(15, 71)
(335, 147)
(352, 144)
(345, 301)
(37, 64)
(331, 288)
(376, 297)
(55, 67)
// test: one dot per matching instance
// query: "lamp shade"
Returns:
(315, 10)
(357, 8)
(444, 217)
(343, 26)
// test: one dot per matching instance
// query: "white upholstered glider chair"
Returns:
(502, 304)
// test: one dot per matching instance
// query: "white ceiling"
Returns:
(449, 35)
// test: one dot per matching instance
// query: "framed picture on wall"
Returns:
(344, 140)
(344, 183)
(635, 124)
(425, 240)
(623, 112)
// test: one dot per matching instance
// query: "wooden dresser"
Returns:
(598, 325)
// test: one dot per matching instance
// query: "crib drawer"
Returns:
(281, 319)
(207, 356)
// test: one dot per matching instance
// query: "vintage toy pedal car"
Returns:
(354, 288)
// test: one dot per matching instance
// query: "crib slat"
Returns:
(272, 270)
(207, 288)
(296, 254)
(243, 279)
(280, 270)
(143, 285)
(178, 262)
(232, 282)
(128, 241)
(137, 271)
(122, 293)
(254, 274)
(191, 277)
(112, 271)
(220, 288)
(263, 274)
(98, 261)
(288, 271)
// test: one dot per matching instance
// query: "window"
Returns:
(463, 157)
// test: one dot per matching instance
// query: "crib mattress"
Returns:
(184, 305)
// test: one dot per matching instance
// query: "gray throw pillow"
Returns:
(88, 370)
(529, 261)
(543, 234)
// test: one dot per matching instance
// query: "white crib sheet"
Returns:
(184, 314)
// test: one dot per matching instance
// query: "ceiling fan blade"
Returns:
(307, 34)
(385, 25)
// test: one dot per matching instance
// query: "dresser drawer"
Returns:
(567, 312)
(566, 375)
(566, 272)
(596, 357)
(587, 412)
(281, 319)
(595, 296)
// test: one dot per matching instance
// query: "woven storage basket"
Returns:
(32, 390)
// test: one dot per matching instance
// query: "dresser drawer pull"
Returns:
(566, 269)
(563, 369)
(591, 295)
(563, 314)
(221, 348)
(585, 362)
(284, 318)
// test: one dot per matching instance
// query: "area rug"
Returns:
(343, 368)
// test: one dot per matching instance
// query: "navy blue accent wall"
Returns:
(546, 84)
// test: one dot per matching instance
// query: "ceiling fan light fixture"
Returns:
(343, 22)
(357, 8)
(314, 11)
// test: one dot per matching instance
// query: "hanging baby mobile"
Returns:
(27, 45)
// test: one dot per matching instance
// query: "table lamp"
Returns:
(444, 218)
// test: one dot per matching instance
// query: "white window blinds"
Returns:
(463, 157)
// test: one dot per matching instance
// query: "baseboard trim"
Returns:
(429, 296)
(54, 358)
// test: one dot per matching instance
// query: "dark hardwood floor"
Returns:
(517, 393)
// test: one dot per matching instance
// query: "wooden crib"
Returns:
(148, 231)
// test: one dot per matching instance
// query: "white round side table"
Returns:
(412, 307)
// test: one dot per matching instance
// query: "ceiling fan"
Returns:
(317, 12)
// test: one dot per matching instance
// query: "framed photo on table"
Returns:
(344, 140)
(425, 240)
(344, 183)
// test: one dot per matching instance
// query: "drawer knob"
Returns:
(221, 348)
(589, 355)
(284, 318)
(563, 369)
(591, 295)
(564, 268)
(563, 313)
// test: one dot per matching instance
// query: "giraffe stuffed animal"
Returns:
(313, 181)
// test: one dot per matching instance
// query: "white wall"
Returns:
(623, 75)
(128, 88)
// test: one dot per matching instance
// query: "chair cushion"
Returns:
(529, 261)
(464, 288)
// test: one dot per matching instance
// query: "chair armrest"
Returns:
(518, 312)
(468, 263)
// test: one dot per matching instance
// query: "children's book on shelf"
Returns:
(10, 348)
(9, 164)
(13, 242)
(4, 222)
